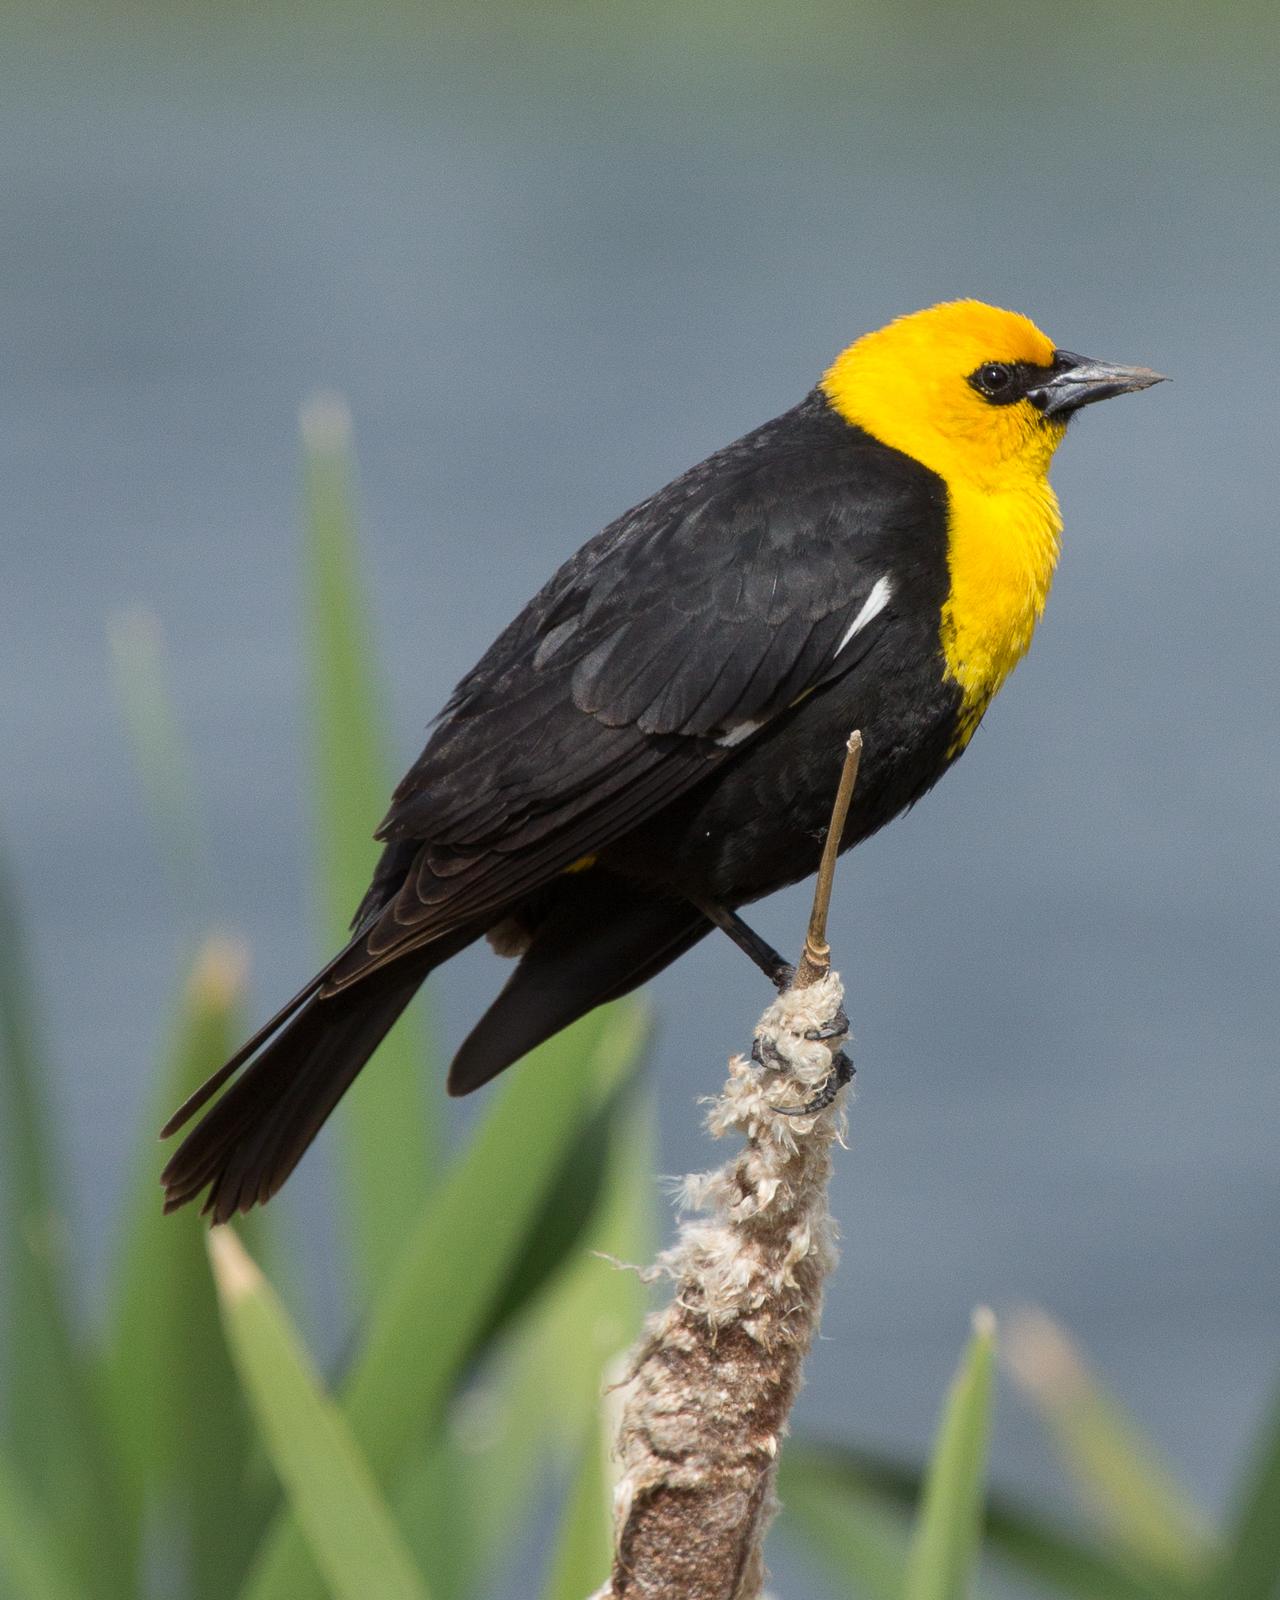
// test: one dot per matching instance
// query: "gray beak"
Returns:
(1078, 381)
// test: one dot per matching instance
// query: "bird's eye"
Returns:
(1000, 382)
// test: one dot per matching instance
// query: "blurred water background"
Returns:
(552, 255)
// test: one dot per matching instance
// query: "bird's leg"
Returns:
(779, 972)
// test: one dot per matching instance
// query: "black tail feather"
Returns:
(248, 1144)
(601, 938)
(211, 1085)
(597, 939)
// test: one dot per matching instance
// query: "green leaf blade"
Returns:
(852, 1504)
(437, 1308)
(169, 1378)
(837, 1522)
(540, 1393)
(947, 1538)
(162, 757)
(578, 1347)
(584, 1544)
(389, 1131)
(1250, 1567)
(348, 1527)
(33, 1562)
(1118, 1471)
(54, 1428)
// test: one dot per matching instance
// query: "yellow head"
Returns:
(977, 394)
(982, 398)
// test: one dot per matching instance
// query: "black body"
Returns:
(594, 728)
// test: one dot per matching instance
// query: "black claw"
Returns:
(841, 1074)
(764, 1052)
(783, 976)
(837, 1028)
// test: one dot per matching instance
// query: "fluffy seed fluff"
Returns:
(713, 1381)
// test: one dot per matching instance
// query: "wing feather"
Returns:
(714, 605)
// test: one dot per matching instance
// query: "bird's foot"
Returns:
(782, 976)
(765, 1053)
(836, 1028)
(841, 1074)
(798, 1041)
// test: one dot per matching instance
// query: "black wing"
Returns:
(647, 661)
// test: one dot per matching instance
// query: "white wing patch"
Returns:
(872, 606)
(739, 731)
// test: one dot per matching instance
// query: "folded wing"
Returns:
(646, 662)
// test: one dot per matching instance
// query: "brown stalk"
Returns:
(815, 959)
(711, 1386)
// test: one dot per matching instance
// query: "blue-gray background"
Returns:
(552, 256)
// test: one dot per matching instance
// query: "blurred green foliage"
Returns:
(170, 1451)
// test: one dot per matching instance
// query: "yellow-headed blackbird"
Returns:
(656, 739)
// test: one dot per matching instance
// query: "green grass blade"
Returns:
(136, 643)
(1250, 1567)
(53, 1427)
(591, 1321)
(948, 1532)
(833, 1517)
(347, 1524)
(33, 1565)
(437, 1308)
(34, 1224)
(541, 1391)
(858, 1483)
(388, 1131)
(177, 1413)
(584, 1545)
(434, 1504)
(1072, 1567)
(1116, 1468)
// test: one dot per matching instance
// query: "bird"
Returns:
(655, 741)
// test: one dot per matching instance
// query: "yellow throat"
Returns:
(908, 385)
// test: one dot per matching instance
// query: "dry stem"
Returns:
(815, 960)
(712, 1384)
